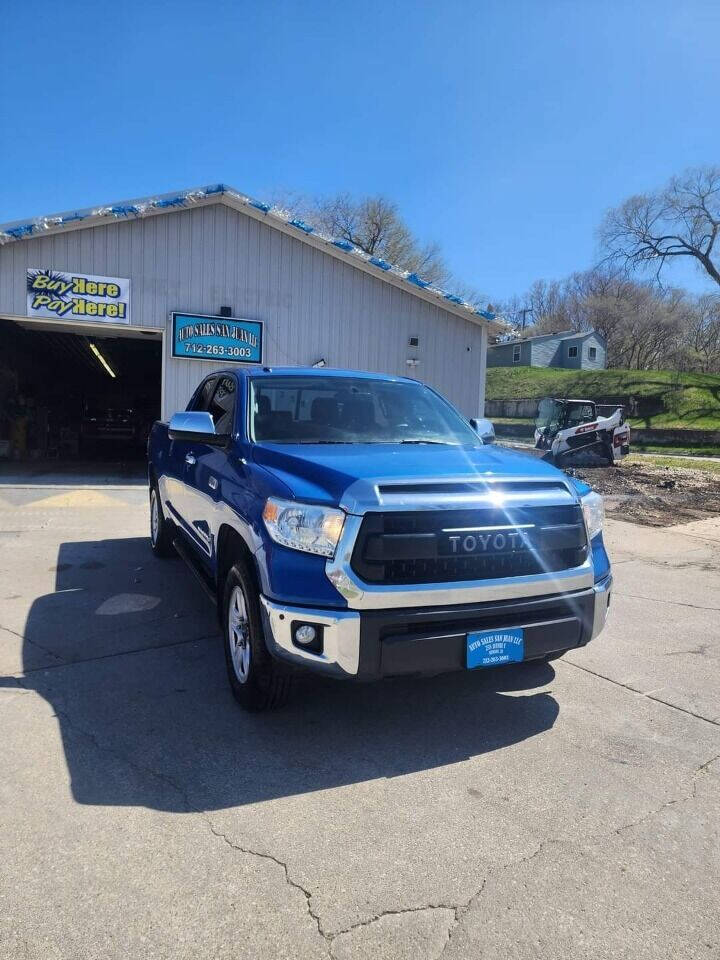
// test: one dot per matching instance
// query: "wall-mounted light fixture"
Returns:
(320, 362)
(225, 311)
(102, 360)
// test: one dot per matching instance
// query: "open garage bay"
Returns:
(76, 403)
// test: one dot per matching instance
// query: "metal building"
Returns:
(246, 284)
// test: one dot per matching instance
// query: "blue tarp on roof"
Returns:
(137, 208)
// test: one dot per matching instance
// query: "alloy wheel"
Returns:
(239, 634)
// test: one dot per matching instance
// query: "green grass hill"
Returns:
(685, 400)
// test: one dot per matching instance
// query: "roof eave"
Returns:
(222, 193)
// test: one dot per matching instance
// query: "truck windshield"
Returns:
(335, 409)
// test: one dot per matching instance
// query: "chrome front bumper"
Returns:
(341, 637)
(344, 637)
(602, 602)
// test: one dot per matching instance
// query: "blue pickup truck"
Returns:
(356, 525)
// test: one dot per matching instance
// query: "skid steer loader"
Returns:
(581, 432)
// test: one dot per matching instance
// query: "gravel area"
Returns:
(652, 495)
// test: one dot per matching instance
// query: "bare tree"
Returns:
(643, 327)
(646, 326)
(704, 335)
(472, 295)
(546, 302)
(374, 225)
(680, 220)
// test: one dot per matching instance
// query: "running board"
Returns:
(195, 568)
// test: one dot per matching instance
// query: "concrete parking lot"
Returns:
(564, 810)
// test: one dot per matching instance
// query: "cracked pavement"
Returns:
(564, 810)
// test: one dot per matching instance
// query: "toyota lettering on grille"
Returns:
(504, 539)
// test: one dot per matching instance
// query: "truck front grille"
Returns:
(442, 546)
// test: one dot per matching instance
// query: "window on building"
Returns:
(572, 351)
(592, 353)
(516, 354)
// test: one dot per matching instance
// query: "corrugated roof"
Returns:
(19, 230)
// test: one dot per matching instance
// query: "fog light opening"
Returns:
(305, 633)
(307, 636)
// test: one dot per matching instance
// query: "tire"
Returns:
(161, 532)
(258, 682)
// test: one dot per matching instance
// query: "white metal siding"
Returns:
(313, 304)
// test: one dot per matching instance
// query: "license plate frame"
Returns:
(493, 648)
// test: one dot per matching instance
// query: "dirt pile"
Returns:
(656, 496)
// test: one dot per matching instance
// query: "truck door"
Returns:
(180, 453)
(206, 466)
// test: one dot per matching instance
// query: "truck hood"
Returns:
(349, 474)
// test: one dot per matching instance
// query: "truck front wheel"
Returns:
(257, 681)
(161, 533)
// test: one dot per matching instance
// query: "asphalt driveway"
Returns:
(565, 810)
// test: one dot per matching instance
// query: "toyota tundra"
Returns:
(357, 525)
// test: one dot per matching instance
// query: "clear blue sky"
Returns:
(502, 129)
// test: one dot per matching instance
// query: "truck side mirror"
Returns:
(194, 425)
(483, 428)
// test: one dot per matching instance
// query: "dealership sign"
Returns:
(77, 296)
(199, 337)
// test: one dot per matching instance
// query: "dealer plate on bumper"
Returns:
(489, 648)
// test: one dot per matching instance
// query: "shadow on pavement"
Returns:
(127, 653)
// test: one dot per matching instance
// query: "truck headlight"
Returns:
(302, 526)
(594, 512)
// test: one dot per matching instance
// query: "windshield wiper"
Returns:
(441, 443)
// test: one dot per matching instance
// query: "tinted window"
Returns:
(222, 405)
(201, 400)
(322, 409)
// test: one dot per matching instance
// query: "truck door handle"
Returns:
(212, 483)
(189, 458)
